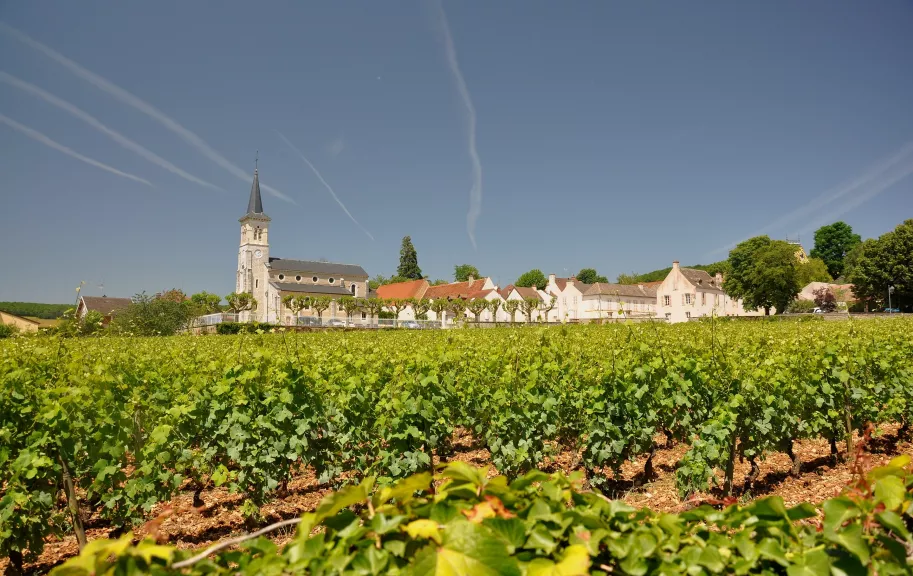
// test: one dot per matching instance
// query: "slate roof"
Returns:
(635, 290)
(454, 289)
(347, 270)
(311, 288)
(410, 289)
(255, 204)
(701, 279)
(105, 305)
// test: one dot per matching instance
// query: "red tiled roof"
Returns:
(411, 289)
(479, 294)
(105, 305)
(454, 289)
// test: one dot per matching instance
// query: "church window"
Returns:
(353, 289)
(332, 280)
(282, 276)
(257, 283)
(298, 278)
(314, 279)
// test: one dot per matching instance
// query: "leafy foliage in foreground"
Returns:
(133, 421)
(545, 525)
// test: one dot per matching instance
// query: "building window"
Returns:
(297, 278)
(716, 299)
(687, 298)
(353, 288)
(314, 279)
(282, 276)
(667, 300)
(703, 298)
(257, 283)
(687, 314)
(364, 316)
(332, 280)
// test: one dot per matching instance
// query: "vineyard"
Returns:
(113, 428)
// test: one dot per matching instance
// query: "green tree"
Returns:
(320, 304)
(814, 270)
(420, 307)
(590, 276)
(296, 304)
(511, 306)
(631, 278)
(548, 306)
(458, 308)
(35, 310)
(439, 306)
(462, 272)
(408, 261)
(876, 264)
(380, 280)
(206, 303)
(493, 306)
(764, 273)
(437, 282)
(534, 277)
(241, 302)
(150, 316)
(350, 306)
(397, 305)
(832, 243)
(374, 306)
(477, 306)
(528, 306)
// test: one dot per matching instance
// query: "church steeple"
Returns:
(255, 204)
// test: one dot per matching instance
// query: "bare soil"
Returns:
(185, 526)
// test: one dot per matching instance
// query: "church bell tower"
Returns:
(253, 254)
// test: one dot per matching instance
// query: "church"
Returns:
(269, 279)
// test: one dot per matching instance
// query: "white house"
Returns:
(569, 294)
(688, 293)
(520, 294)
(619, 301)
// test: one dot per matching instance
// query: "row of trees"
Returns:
(420, 306)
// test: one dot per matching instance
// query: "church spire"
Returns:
(255, 204)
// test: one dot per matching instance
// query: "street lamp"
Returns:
(890, 291)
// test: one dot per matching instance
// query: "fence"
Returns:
(217, 318)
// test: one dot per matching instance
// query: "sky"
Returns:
(509, 135)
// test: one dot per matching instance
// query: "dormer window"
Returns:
(314, 279)
(297, 278)
(332, 280)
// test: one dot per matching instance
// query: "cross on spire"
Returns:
(257, 161)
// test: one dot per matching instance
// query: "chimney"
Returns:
(471, 279)
(551, 279)
(719, 280)
(675, 265)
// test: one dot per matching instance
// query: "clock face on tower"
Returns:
(258, 253)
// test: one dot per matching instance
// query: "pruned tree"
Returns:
(477, 306)
(397, 305)
(439, 306)
(420, 307)
(350, 306)
(458, 307)
(295, 304)
(548, 306)
(206, 303)
(321, 304)
(241, 302)
(493, 306)
(374, 306)
(528, 306)
(511, 306)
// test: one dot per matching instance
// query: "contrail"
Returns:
(114, 135)
(38, 136)
(872, 190)
(139, 104)
(475, 192)
(864, 185)
(325, 183)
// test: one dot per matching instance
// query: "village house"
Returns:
(269, 279)
(605, 301)
(688, 293)
(20, 323)
(104, 305)
(569, 294)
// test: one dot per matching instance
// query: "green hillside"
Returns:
(35, 309)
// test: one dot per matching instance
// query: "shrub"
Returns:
(801, 306)
(8, 330)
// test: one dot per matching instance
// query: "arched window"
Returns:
(353, 288)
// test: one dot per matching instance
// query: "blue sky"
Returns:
(614, 135)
